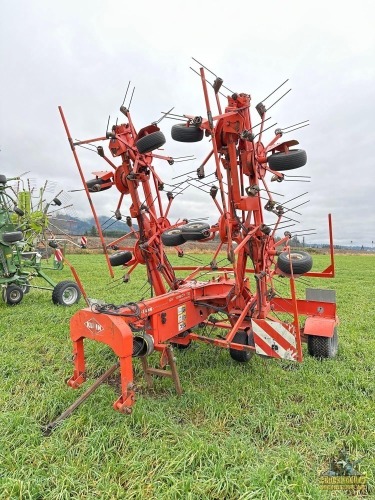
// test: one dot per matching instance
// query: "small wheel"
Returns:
(323, 347)
(150, 142)
(120, 258)
(66, 293)
(294, 158)
(300, 262)
(12, 295)
(95, 185)
(57, 202)
(3, 179)
(241, 356)
(182, 347)
(12, 237)
(182, 133)
(172, 237)
(195, 231)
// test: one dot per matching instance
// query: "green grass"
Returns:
(265, 429)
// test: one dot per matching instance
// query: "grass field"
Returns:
(263, 430)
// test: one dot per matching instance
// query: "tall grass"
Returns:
(265, 429)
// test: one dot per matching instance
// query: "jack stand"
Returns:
(173, 373)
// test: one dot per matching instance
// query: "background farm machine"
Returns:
(25, 218)
(239, 299)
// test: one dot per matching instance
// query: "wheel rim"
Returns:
(70, 296)
(14, 295)
(295, 256)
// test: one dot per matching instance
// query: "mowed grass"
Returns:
(264, 429)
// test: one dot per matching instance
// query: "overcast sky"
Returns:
(82, 54)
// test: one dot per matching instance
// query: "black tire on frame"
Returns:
(12, 294)
(172, 237)
(294, 158)
(323, 347)
(18, 211)
(182, 347)
(3, 179)
(120, 258)
(301, 262)
(95, 185)
(66, 293)
(150, 142)
(12, 237)
(181, 133)
(195, 231)
(242, 338)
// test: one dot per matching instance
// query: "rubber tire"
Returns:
(120, 258)
(182, 347)
(96, 182)
(181, 133)
(150, 142)
(241, 356)
(280, 162)
(3, 179)
(18, 211)
(172, 237)
(300, 265)
(12, 295)
(58, 294)
(12, 237)
(57, 202)
(323, 347)
(195, 231)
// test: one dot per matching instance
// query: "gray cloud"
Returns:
(81, 55)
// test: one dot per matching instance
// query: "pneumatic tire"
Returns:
(12, 295)
(95, 185)
(120, 258)
(195, 231)
(298, 262)
(172, 237)
(242, 338)
(181, 133)
(66, 293)
(12, 237)
(294, 158)
(150, 142)
(323, 347)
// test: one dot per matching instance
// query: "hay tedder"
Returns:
(236, 306)
(23, 236)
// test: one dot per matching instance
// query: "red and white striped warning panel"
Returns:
(83, 241)
(58, 255)
(275, 339)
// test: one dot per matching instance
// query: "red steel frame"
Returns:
(178, 305)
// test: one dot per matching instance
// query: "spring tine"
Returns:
(275, 90)
(272, 105)
(295, 125)
(126, 93)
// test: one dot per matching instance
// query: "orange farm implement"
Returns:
(238, 303)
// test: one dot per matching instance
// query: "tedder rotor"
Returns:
(252, 313)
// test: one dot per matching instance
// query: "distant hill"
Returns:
(76, 226)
